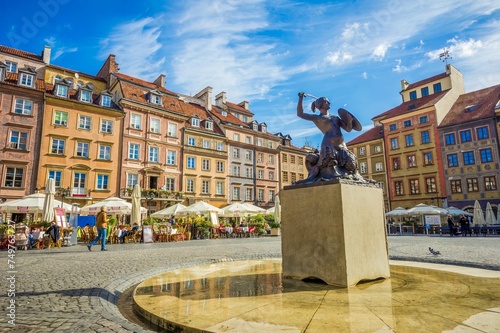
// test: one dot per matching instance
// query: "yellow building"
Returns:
(292, 161)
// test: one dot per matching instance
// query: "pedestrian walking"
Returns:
(464, 225)
(101, 224)
(451, 226)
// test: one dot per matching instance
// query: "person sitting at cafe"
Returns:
(53, 232)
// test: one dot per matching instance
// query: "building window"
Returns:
(260, 142)
(153, 154)
(472, 185)
(482, 133)
(452, 160)
(23, 106)
(428, 159)
(220, 146)
(205, 165)
(133, 151)
(362, 151)
(190, 185)
(412, 161)
(449, 139)
(219, 188)
(271, 175)
(424, 91)
(236, 170)
(132, 179)
(379, 166)
(271, 195)
(285, 176)
(61, 118)
(236, 137)
(26, 80)
(437, 87)
(56, 175)
(236, 193)
(465, 136)
(106, 126)
(79, 183)
(393, 127)
(260, 157)
(260, 174)
(11, 67)
(209, 125)
(409, 140)
(171, 157)
(407, 123)
(377, 149)
(154, 125)
(248, 155)
(301, 160)
(292, 159)
(205, 187)
(248, 139)
(293, 177)
(398, 188)
(61, 90)
(14, 177)
(249, 172)
(271, 159)
(105, 152)
(261, 195)
(84, 122)
(85, 96)
(191, 162)
(490, 183)
(430, 185)
(206, 144)
(102, 182)
(468, 158)
(172, 130)
(220, 166)
(425, 137)
(486, 155)
(154, 99)
(236, 153)
(170, 184)
(456, 186)
(414, 186)
(106, 101)
(248, 194)
(284, 157)
(362, 167)
(82, 149)
(396, 163)
(270, 144)
(301, 176)
(18, 140)
(413, 95)
(191, 141)
(424, 119)
(394, 143)
(58, 146)
(135, 121)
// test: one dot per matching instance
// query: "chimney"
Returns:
(46, 54)
(109, 67)
(160, 81)
(206, 96)
(244, 104)
(404, 85)
(221, 99)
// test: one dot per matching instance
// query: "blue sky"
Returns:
(353, 52)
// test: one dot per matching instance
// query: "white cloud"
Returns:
(401, 68)
(380, 51)
(58, 50)
(364, 75)
(458, 48)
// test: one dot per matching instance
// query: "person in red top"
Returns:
(101, 224)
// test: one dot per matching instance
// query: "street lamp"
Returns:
(63, 193)
(149, 197)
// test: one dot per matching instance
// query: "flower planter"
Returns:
(275, 231)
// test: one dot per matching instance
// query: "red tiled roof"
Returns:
(239, 108)
(20, 53)
(411, 106)
(229, 118)
(484, 102)
(191, 109)
(429, 79)
(143, 83)
(73, 95)
(12, 78)
(372, 134)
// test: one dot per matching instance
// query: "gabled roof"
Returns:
(228, 118)
(411, 106)
(195, 110)
(372, 134)
(12, 79)
(145, 84)
(239, 108)
(479, 104)
(427, 80)
(20, 53)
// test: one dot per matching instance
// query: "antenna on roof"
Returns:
(444, 56)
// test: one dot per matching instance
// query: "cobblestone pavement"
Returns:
(74, 290)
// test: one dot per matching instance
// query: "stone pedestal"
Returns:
(334, 231)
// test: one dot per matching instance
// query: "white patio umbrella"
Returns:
(423, 209)
(478, 213)
(200, 207)
(490, 216)
(277, 209)
(169, 211)
(135, 216)
(453, 211)
(115, 206)
(32, 203)
(398, 211)
(253, 207)
(48, 203)
(237, 210)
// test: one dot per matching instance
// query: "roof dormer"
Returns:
(27, 77)
(105, 98)
(255, 125)
(209, 124)
(263, 127)
(61, 87)
(85, 93)
(195, 121)
(154, 97)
